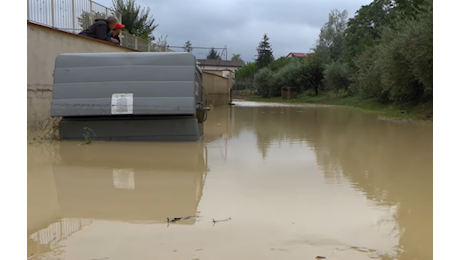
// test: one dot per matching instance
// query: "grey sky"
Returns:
(292, 25)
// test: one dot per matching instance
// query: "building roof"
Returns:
(298, 54)
(220, 63)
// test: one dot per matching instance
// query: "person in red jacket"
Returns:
(100, 29)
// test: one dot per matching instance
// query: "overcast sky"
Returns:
(292, 25)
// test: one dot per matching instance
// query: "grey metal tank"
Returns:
(129, 96)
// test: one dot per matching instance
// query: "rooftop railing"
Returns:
(73, 16)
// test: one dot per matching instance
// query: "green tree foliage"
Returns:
(289, 75)
(212, 55)
(312, 73)
(247, 71)
(365, 28)
(137, 19)
(337, 76)
(264, 53)
(301, 75)
(384, 53)
(330, 44)
(262, 82)
(237, 57)
(400, 67)
(85, 20)
(280, 63)
(417, 44)
(188, 46)
(244, 76)
(365, 82)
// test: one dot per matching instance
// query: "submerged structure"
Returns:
(151, 184)
(129, 96)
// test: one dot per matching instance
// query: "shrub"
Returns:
(366, 81)
(400, 67)
(262, 81)
(310, 93)
(287, 76)
(337, 76)
(311, 74)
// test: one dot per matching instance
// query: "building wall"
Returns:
(219, 68)
(217, 88)
(43, 45)
(223, 73)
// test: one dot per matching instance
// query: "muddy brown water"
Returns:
(296, 181)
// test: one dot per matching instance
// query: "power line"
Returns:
(206, 48)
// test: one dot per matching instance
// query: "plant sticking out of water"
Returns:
(46, 131)
(88, 135)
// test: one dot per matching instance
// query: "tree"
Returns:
(366, 27)
(287, 76)
(85, 20)
(280, 63)
(162, 44)
(312, 73)
(262, 82)
(212, 55)
(237, 57)
(330, 46)
(246, 71)
(244, 76)
(188, 46)
(337, 76)
(264, 53)
(397, 66)
(136, 19)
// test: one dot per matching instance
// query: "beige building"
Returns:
(220, 65)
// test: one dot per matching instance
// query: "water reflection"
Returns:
(130, 181)
(390, 162)
(297, 182)
(109, 181)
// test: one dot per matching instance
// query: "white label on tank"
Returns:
(122, 103)
(123, 179)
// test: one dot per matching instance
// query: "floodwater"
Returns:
(296, 181)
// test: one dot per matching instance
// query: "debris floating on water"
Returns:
(320, 257)
(222, 220)
(173, 220)
(180, 218)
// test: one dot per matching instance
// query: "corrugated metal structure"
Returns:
(129, 96)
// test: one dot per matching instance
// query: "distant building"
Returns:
(220, 65)
(297, 54)
(224, 73)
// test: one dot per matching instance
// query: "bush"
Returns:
(397, 78)
(269, 83)
(244, 76)
(280, 63)
(287, 76)
(366, 81)
(418, 47)
(311, 74)
(337, 76)
(262, 81)
(310, 93)
(400, 67)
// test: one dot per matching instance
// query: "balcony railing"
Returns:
(76, 15)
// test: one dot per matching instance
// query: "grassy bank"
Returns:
(390, 111)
